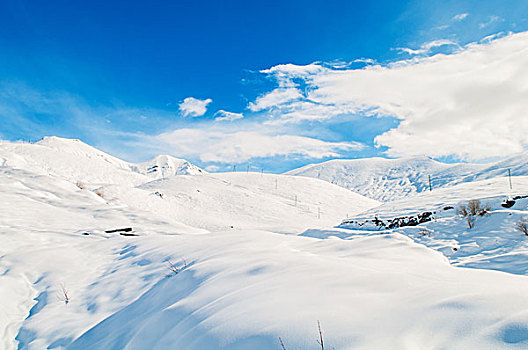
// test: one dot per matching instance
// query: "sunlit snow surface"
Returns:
(258, 258)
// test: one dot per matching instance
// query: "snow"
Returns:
(280, 268)
(73, 160)
(494, 243)
(389, 179)
(164, 166)
(245, 201)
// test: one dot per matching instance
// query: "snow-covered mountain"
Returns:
(75, 161)
(70, 159)
(164, 166)
(388, 179)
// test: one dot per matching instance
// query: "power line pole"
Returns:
(234, 168)
(509, 177)
(318, 212)
(430, 186)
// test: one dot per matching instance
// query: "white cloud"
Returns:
(275, 98)
(299, 111)
(471, 104)
(222, 115)
(428, 47)
(460, 17)
(220, 146)
(194, 107)
(290, 70)
(490, 21)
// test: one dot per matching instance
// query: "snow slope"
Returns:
(236, 289)
(75, 161)
(71, 160)
(388, 179)
(495, 188)
(517, 164)
(241, 287)
(493, 243)
(244, 201)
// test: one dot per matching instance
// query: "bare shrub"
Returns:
(472, 209)
(462, 211)
(81, 185)
(100, 194)
(174, 269)
(425, 232)
(522, 225)
(470, 219)
(64, 294)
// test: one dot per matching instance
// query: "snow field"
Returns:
(279, 270)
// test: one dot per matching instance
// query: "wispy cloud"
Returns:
(222, 115)
(193, 107)
(221, 146)
(491, 20)
(275, 98)
(460, 17)
(426, 48)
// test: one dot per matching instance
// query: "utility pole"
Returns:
(509, 177)
(247, 169)
(234, 168)
(430, 186)
(318, 212)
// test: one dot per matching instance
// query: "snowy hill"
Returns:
(164, 166)
(71, 160)
(76, 161)
(244, 201)
(388, 179)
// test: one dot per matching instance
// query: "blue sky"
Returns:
(234, 82)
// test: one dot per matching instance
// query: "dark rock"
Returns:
(126, 229)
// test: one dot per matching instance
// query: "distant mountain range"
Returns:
(392, 179)
(380, 179)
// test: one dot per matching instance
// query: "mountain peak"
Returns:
(165, 165)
